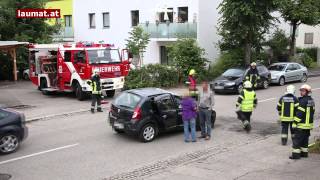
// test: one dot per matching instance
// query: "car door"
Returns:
(290, 73)
(298, 72)
(263, 73)
(167, 110)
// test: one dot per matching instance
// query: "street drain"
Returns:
(22, 107)
(5, 176)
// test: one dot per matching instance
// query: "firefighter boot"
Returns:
(99, 109)
(284, 141)
(246, 125)
(304, 152)
(92, 110)
(295, 156)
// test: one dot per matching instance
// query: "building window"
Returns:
(308, 38)
(134, 18)
(68, 21)
(92, 20)
(166, 16)
(182, 14)
(164, 58)
(106, 19)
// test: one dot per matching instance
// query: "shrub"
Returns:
(226, 60)
(315, 148)
(153, 75)
(312, 52)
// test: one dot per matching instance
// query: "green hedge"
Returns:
(312, 52)
(153, 75)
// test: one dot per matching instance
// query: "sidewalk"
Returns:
(258, 160)
(314, 72)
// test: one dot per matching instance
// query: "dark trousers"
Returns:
(247, 116)
(285, 126)
(300, 143)
(96, 99)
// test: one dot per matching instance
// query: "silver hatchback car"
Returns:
(282, 73)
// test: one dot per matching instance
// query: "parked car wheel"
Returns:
(110, 93)
(79, 93)
(240, 88)
(265, 84)
(282, 81)
(119, 131)
(304, 78)
(9, 143)
(148, 133)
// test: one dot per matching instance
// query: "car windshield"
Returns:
(103, 56)
(233, 73)
(277, 67)
(127, 100)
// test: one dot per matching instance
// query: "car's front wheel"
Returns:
(304, 78)
(148, 133)
(240, 88)
(265, 84)
(282, 81)
(9, 143)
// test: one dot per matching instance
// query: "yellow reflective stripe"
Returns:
(305, 126)
(297, 119)
(308, 116)
(296, 105)
(286, 119)
(294, 125)
(282, 109)
(296, 150)
(279, 104)
(301, 109)
(291, 110)
(304, 149)
(241, 97)
(284, 135)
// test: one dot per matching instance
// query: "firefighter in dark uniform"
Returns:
(303, 123)
(247, 101)
(287, 107)
(96, 91)
(253, 75)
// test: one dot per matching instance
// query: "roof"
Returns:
(149, 91)
(8, 44)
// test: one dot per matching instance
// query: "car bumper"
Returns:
(130, 127)
(274, 80)
(229, 89)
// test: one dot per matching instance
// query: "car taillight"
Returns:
(137, 114)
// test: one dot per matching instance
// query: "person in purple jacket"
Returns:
(189, 114)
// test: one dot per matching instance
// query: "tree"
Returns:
(298, 12)
(244, 23)
(185, 55)
(137, 43)
(278, 44)
(34, 30)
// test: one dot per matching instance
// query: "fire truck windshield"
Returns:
(103, 56)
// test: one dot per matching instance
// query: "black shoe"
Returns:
(295, 156)
(284, 142)
(99, 110)
(202, 136)
(92, 110)
(304, 154)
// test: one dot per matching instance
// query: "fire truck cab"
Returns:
(68, 67)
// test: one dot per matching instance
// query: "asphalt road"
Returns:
(84, 146)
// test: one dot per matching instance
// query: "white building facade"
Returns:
(164, 20)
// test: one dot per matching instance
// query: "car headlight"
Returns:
(230, 83)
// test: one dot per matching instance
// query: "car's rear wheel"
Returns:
(282, 81)
(148, 133)
(43, 85)
(265, 84)
(304, 78)
(9, 143)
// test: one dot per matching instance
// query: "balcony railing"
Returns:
(65, 34)
(170, 30)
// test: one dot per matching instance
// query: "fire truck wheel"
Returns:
(79, 93)
(110, 93)
(43, 85)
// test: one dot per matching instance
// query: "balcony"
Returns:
(170, 31)
(65, 35)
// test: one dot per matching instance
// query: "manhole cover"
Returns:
(5, 176)
(22, 107)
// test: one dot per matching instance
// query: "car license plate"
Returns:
(218, 87)
(118, 125)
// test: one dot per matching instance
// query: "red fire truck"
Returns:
(68, 67)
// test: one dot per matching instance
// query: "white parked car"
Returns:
(282, 73)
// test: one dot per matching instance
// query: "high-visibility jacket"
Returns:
(192, 86)
(247, 100)
(305, 113)
(253, 77)
(95, 84)
(287, 107)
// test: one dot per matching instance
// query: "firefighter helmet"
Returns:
(192, 72)
(247, 85)
(291, 89)
(306, 87)
(253, 64)
(95, 71)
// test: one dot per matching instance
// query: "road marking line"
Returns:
(265, 100)
(39, 153)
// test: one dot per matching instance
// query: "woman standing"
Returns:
(189, 114)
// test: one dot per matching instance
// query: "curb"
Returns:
(56, 115)
(314, 74)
